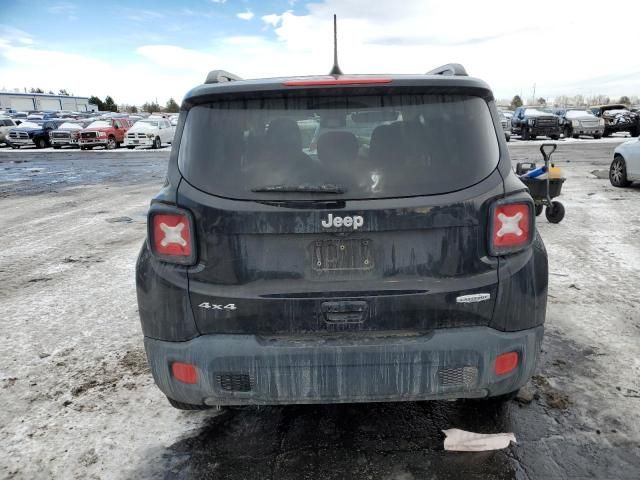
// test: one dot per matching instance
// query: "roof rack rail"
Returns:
(454, 69)
(220, 76)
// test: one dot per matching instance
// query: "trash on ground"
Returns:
(462, 441)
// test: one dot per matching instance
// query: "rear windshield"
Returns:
(345, 147)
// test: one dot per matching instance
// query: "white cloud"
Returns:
(272, 19)
(177, 58)
(246, 15)
(219, 1)
(12, 34)
(23, 66)
(507, 45)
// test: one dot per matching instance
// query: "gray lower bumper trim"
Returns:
(245, 369)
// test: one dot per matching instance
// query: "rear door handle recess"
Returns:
(344, 311)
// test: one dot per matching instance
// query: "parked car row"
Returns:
(107, 131)
(530, 122)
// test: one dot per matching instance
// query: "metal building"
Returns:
(25, 102)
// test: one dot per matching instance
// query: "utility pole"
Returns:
(534, 94)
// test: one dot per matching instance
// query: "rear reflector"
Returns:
(335, 81)
(506, 362)
(184, 372)
(511, 228)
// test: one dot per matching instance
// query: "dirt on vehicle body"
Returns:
(280, 272)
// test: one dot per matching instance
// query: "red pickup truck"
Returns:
(108, 133)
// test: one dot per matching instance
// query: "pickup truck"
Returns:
(617, 118)
(151, 132)
(6, 125)
(33, 132)
(108, 133)
(575, 122)
(67, 134)
(530, 122)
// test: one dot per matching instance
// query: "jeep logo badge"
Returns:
(356, 221)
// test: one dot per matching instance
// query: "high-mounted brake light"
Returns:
(316, 82)
(511, 227)
(171, 235)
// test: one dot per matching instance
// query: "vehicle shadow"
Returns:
(356, 441)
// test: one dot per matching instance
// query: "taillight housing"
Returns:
(171, 234)
(511, 226)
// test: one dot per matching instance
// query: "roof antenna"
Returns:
(335, 70)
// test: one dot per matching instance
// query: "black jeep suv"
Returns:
(395, 261)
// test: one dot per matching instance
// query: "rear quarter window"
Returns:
(371, 146)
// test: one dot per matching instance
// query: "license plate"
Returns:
(136, 141)
(342, 254)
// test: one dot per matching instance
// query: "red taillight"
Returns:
(311, 82)
(184, 372)
(171, 236)
(506, 363)
(512, 227)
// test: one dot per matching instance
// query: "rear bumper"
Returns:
(446, 363)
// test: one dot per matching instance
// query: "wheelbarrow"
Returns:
(544, 190)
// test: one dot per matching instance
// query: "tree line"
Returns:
(578, 101)
(109, 105)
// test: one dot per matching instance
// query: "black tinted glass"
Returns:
(368, 146)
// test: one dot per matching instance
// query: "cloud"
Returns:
(128, 82)
(373, 38)
(66, 8)
(177, 58)
(246, 15)
(272, 19)
(12, 34)
(218, 1)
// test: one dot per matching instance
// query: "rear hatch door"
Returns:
(307, 225)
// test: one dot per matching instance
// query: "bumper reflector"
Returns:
(506, 362)
(184, 372)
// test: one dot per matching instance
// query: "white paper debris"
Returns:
(461, 441)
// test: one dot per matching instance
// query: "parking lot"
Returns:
(79, 401)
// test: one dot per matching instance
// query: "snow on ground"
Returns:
(78, 400)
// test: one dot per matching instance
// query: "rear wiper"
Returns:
(304, 188)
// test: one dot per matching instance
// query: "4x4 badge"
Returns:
(213, 306)
(475, 298)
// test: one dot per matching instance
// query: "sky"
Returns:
(139, 51)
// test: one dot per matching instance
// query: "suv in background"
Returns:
(108, 133)
(575, 122)
(617, 118)
(6, 125)
(33, 132)
(531, 122)
(274, 273)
